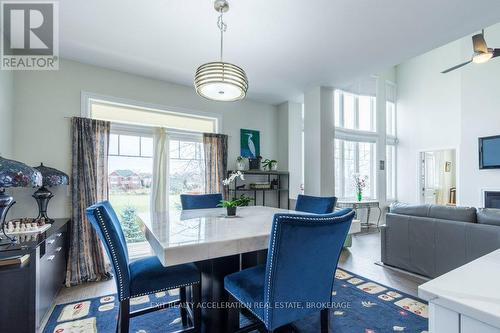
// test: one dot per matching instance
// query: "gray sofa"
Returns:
(431, 240)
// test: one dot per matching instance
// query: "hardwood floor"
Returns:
(359, 259)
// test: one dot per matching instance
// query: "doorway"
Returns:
(438, 177)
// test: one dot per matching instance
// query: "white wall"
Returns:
(480, 117)
(290, 144)
(43, 99)
(318, 144)
(6, 112)
(438, 111)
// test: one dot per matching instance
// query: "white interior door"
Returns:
(429, 178)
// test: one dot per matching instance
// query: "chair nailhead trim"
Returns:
(282, 219)
(113, 253)
(117, 268)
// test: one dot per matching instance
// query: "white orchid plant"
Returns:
(232, 177)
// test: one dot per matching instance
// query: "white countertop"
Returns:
(472, 289)
(193, 235)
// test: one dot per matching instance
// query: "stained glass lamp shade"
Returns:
(14, 174)
(51, 177)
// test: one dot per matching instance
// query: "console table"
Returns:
(281, 190)
(365, 204)
(466, 299)
(28, 290)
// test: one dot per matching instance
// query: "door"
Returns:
(428, 178)
(437, 177)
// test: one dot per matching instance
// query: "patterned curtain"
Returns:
(86, 261)
(215, 147)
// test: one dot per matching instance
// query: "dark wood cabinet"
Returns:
(27, 291)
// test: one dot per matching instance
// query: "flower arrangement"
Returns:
(359, 183)
(232, 177)
(232, 204)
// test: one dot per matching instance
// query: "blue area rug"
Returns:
(359, 306)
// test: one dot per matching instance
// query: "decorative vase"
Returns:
(274, 166)
(231, 211)
(240, 166)
(360, 196)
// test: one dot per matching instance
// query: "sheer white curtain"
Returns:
(160, 184)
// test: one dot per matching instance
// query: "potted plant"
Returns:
(270, 165)
(232, 205)
(360, 183)
(241, 163)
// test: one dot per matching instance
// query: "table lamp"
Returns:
(14, 174)
(50, 177)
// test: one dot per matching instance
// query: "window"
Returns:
(351, 158)
(354, 112)
(145, 116)
(390, 108)
(130, 161)
(130, 168)
(355, 138)
(186, 168)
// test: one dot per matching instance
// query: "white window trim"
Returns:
(392, 142)
(87, 97)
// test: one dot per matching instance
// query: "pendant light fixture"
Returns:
(219, 80)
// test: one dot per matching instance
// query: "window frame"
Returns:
(373, 112)
(86, 99)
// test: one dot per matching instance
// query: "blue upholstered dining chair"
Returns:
(303, 254)
(200, 201)
(143, 276)
(315, 205)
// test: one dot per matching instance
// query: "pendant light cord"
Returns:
(222, 27)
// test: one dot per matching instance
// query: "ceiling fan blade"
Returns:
(456, 67)
(479, 44)
(496, 53)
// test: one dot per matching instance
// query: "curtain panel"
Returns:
(86, 260)
(160, 184)
(215, 148)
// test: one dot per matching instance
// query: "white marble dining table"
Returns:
(217, 244)
(179, 237)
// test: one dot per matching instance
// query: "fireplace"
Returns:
(491, 199)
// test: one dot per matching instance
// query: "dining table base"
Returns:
(214, 299)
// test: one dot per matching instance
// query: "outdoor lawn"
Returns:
(128, 206)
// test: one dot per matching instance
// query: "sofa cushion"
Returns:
(463, 214)
(407, 209)
(488, 216)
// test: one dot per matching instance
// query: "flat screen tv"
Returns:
(489, 152)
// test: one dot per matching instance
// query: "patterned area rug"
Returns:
(359, 306)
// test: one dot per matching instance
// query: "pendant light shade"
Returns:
(219, 80)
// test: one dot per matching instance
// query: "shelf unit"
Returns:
(283, 178)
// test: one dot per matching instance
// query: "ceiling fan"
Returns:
(482, 53)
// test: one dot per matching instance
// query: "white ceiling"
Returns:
(285, 46)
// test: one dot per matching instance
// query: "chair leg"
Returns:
(324, 320)
(183, 304)
(123, 317)
(196, 294)
(233, 317)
